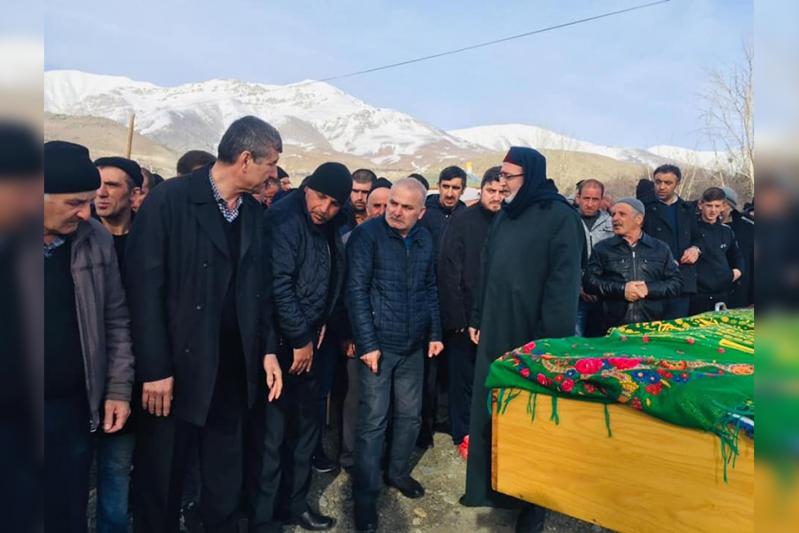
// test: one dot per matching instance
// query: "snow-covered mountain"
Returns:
(500, 137)
(311, 116)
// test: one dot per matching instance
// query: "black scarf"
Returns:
(536, 186)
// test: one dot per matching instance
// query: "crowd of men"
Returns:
(199, 324)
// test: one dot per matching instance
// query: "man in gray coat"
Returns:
(88, 361)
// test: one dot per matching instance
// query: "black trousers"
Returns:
(162, 448)
(287, 432)
(435, 379)
(67, 459)
(706, 302)
(461, 352)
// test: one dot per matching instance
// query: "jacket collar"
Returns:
(645, 240)
(413, 234)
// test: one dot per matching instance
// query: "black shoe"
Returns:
(312, 521)
(531, 519)
(323, 464)
(365, 519)
(409, 487)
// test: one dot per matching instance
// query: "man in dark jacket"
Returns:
(307, 256)
(203, 336)
(631, 272)
(458, 276)
(121, 182)
(530, 283)
(743, 292)
(393, 307)
(673, 221)
(88, 360)
(721, 264)
(438, 209)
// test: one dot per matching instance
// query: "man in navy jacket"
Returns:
(392, 301)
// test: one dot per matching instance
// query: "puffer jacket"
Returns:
(308, 266)
(601, 230)
(614, 263)
(392, 297)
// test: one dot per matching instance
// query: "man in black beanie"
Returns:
(306, 252)
(120, 184)
(88, 360)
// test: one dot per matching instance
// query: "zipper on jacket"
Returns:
(635, 277)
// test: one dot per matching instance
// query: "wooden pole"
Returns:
(129, 147)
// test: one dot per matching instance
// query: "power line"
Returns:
(496, 41)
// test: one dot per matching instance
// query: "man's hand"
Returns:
(349, 349)
(371, 359)
(156, 396)
(587, 298)
(631, 291)
(435, 348)
(303, 357)
(642, 289)
(274, 376)
(474, 334)
(736, 275)
(690, 256)
(116, 413)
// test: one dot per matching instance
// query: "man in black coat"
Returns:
(631, 272)
(721, 264)
(529, 288)
(200, 303)
(743, 292)
(438, 209)
(307, 259)
(673, 220)
(458, 276)
(393, 307)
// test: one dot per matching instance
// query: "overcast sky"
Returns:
(629, 80)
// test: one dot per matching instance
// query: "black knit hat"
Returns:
(20, 151)
(332, 179)
(281, 173)
(68, 168)
(128, 166)
(381, 183)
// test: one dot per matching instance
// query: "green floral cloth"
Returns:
(696, 372)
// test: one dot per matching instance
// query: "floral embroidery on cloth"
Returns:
(696, 372)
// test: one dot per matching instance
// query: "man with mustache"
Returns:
(632, 272)
(307, 263)
(393, 308)
(88, 360)
(458, 276)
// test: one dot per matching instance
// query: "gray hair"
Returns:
(249, 134)
(412, 184)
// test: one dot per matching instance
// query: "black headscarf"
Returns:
(536, 186)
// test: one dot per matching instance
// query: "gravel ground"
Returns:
(443, 473)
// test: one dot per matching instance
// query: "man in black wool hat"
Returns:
(307, 256)
(201, 312)
(530, 283)
(121, 182)
(88, 361)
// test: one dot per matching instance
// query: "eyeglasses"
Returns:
(506, 176)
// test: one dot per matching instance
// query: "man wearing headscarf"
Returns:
(530, 283)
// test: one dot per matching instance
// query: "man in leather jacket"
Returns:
(631, 272)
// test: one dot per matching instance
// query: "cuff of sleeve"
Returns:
(300, 341)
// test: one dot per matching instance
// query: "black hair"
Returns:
(491, 175)
(194, 159)
(281, 173)
(364, 175)
(668, 169)
(421, 179)
(712, 194)
(451, 173)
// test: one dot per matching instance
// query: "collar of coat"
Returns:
(645, 240)
(412, 234)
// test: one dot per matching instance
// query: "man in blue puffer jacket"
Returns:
(392, 301)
